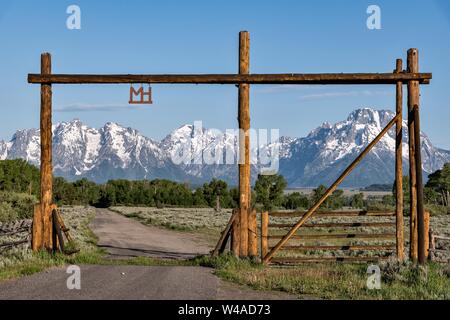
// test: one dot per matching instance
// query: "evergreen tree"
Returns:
(295, 201)
(269, 190)
(438, 186)
(357, 201)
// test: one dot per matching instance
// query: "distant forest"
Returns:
(19, 189)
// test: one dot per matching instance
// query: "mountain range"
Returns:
(117, 152)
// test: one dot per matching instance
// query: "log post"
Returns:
(42, 222)
(399, 165)
(38, 228)
(244, 143)
(264, 234)
(413, 99)
(413, 54)
(235, 233)
(252, 234)
(427, 234)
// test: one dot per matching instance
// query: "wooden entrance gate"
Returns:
(244, 227)
(331, 236)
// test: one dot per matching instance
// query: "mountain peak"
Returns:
(368, 116)
(117, 152)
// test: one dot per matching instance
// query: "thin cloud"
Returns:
(82, 107)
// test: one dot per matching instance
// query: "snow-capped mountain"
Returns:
(193, 153)
(324, 154)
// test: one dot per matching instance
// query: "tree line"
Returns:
(17, 176)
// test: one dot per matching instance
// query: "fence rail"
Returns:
(14, 234)
(331, 236)
(439, 247)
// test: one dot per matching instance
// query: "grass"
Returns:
(323, 281)
(204, 221)
(336, 281)
(181, 219)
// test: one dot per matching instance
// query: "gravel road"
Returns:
(123, 237)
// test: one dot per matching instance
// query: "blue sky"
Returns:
(202, 37)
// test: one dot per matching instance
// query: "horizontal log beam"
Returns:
(290, 78)
(325, 259)
(336, 225)
(340, 236)
(441, 238)
(320, 214)
(342, 248)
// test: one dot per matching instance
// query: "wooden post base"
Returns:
(42, 233)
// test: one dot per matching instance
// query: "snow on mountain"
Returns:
(321, 156)
(203, 153)
(4, 150)
(193, 153)
(25, 144)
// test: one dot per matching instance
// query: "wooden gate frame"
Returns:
(42, 221)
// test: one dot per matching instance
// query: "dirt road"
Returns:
(123, 237)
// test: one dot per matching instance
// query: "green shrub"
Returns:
(7, 213)
(21, 204)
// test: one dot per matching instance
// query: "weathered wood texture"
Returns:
(38, 228)
(351, 259)
(288, 78)
(11, 228)
(342, 248)
(58, 240)
(244, 142)
(329, 191)
(264, 234)
(414, 87)
(361, 213)
(224, 235)
(399, 165)
(337, 225)
(252, 234)
(235, 242)
(413, 100)
(46, 157)
(14, 234)
(339, 236)
(426, 223)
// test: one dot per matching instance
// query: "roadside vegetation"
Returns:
(337, 281)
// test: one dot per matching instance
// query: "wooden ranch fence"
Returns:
(331, 236)
(242, 228)
(14, 234)
(439, 247)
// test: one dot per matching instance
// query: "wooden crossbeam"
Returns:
(286, 78)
